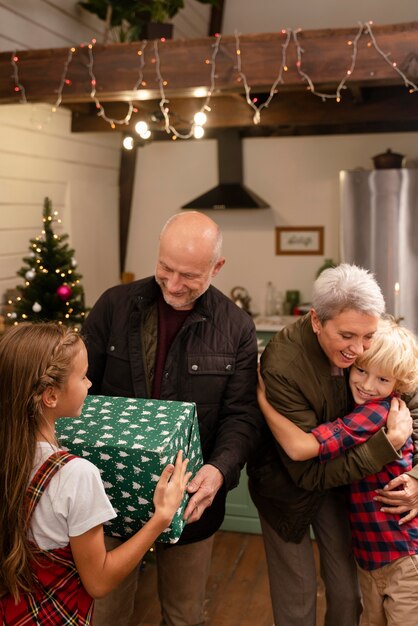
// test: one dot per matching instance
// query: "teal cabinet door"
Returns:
(241, 514)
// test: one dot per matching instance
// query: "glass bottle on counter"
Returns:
(278, 303)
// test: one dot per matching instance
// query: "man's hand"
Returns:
(204, 486)
(401, 493)
(399, 423)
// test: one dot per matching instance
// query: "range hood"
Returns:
(230, 193)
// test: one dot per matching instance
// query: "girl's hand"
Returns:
(170, 488)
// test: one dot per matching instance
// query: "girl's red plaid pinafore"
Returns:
(59, 598)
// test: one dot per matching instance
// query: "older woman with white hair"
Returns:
(304, 368)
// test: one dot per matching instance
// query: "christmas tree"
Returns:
(52, 289)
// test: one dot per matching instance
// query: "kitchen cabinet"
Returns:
(241, 514)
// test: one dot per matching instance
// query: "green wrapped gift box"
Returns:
(131, 440)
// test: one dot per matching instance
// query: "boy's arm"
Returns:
(352, 430)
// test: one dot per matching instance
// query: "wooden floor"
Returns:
(237, 592)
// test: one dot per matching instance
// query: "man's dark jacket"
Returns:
(212, 362)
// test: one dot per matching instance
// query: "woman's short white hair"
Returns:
(346, 287)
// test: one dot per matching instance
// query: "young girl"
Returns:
(53, 560)
(385, 544)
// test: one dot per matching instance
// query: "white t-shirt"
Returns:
(74, 502)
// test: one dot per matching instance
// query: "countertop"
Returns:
(273, 323)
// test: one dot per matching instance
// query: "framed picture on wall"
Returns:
(299, 240)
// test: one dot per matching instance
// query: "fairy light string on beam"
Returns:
(364, 29)
(64, 80)
(292, 37)
(273, 90)
(408, 83)
(93, 93)
(311, 87)
(164, 101)
(18, 88)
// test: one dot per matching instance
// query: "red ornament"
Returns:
(63, 292)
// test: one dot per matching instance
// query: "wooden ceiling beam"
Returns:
(326, 59)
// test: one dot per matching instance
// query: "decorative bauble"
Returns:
(74, 262)
(30, 275)
(36, 307)
(63, 292)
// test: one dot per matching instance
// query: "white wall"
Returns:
(39, 157)
(297, 176)
(266, 16)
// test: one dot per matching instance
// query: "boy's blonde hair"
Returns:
(394, 353)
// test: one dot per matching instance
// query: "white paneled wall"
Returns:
(192, 21)
(40, 157)
(32, 24)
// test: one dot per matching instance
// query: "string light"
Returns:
(292, 36)
(337, 95)
(93, 93)
(64, 80)
(283, 67)
(19, 88)
(364, 29)
(128, 143)
(142, 129)
(412, 86)
(198, 131)
(200, 118)
(205, 108)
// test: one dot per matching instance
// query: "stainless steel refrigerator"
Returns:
(379, 231)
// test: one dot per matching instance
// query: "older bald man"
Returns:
(176, 337)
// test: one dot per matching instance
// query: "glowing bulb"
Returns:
(128, 143)
(146, 135)
(141, 127)
(198, 131)
(200, 118)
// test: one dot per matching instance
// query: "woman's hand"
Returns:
(401, 494)
(399, 423)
